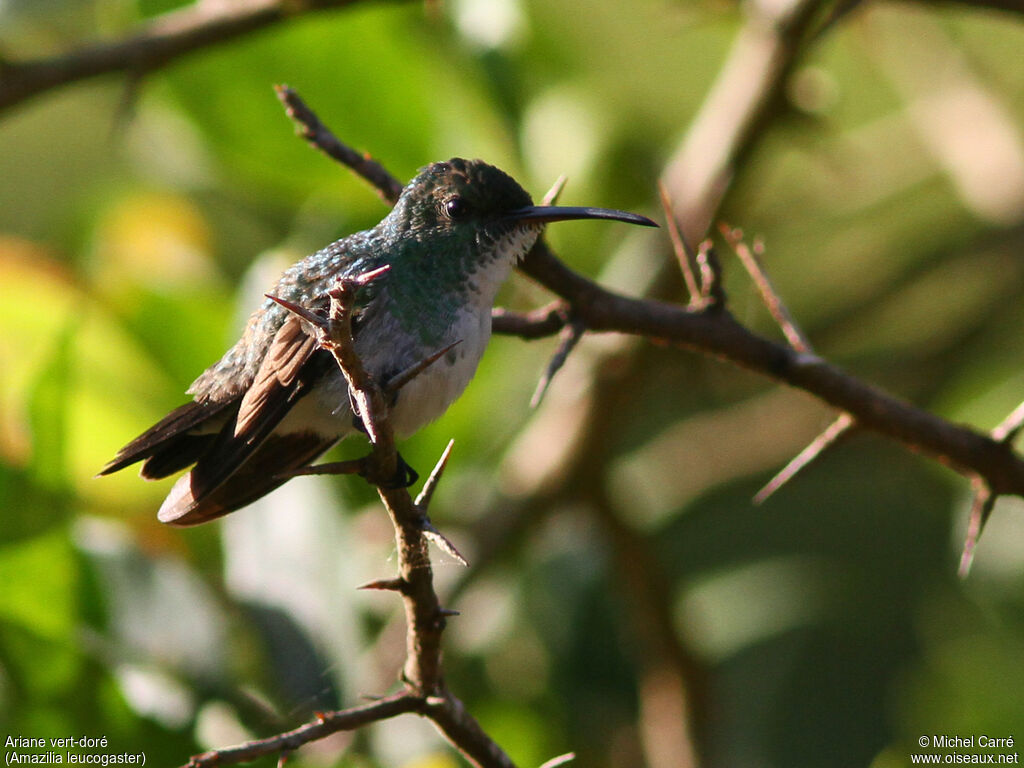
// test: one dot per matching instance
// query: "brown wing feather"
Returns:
(228, 476)
(288, 353)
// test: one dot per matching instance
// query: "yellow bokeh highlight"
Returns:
(157, 239)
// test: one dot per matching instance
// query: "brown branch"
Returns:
(426, 692)
(320, 136)
(799, 342)
(155, 44)
(545, 321)
(325, 725)
(714, 331)
(718, 333)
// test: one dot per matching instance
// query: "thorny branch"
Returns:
(425, 690)
(713, 330)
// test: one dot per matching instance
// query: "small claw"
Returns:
(404, 476)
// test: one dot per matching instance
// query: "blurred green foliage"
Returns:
(826, 627)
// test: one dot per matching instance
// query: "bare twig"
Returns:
(157, 43)
(799, 342)
(537, 324)
(319, 136)
(325, 725)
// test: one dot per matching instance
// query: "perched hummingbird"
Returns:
(276, 401)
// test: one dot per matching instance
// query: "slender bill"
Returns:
(547, 213)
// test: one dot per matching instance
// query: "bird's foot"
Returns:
(404, 476)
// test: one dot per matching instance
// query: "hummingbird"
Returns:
(276, 401)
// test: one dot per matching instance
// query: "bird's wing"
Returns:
(244, 459)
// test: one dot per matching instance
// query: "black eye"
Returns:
(456, 208)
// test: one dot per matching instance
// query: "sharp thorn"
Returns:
(392, 585)
(570, 336)
(400, 379)
(448, 612)
(308, 315)
(556, 762)
(843, 423)
(684, 253)
(366, 278)
(981, 508)
(425, 495)
(430, 533)
(552, 195)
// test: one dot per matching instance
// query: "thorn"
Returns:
(552, 195)
(1010, 427)
(366, 278)
(309, 316)
(427, 492)
(448, 612)
(402, 378)
(570, 336)
(283, 758)
(826, 439)
(684, 254)
(390, 585)
(430, 533)
(981, 507)
(349, 467)
(555, 762)
(749, 258)
(710, 274)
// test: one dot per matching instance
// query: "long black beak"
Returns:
(547, 213)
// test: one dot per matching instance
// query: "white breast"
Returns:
(429, 395)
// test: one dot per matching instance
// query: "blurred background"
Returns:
(625, 600)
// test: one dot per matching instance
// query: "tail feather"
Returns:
(193, 501)
(167, 443)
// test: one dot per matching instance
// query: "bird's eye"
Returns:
(456, 208)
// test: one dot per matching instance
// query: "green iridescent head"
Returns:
(467, 201)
